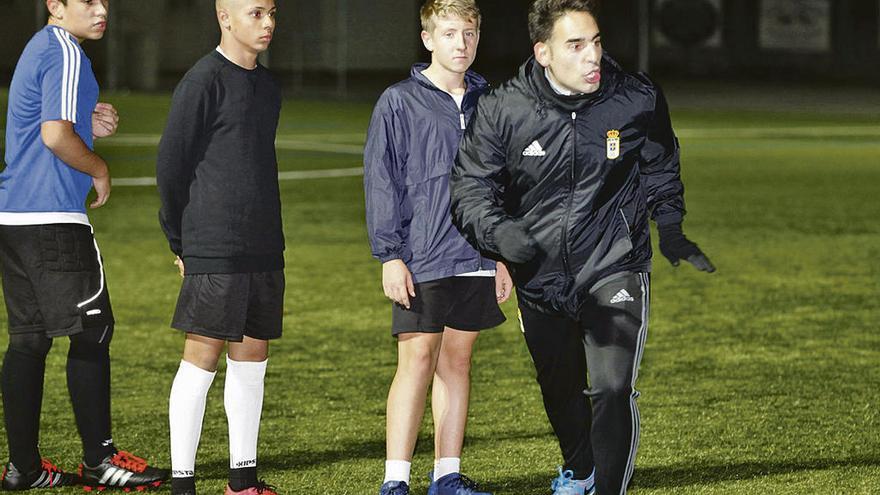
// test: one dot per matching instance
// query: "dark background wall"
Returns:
(338, 46)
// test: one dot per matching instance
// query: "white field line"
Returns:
(289, 175)
(329, 143)
(779, 132)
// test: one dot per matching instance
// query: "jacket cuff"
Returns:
(390, 257)
(669, 219)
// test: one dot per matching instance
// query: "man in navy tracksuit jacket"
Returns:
(558, 175)
(443, 290)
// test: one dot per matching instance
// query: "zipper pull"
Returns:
(463, 124)
(574, 116)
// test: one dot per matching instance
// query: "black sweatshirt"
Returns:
(217, 172)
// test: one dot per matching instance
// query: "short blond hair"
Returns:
(465, 9)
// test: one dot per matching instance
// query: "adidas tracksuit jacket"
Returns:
(584, 174)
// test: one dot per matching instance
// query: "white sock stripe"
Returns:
(634, 409)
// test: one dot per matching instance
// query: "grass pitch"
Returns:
(761, 378)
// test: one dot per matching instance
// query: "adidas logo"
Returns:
(534, 149)
(621, 296)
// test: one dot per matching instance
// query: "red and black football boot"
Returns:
(122, 470)
(47, 475)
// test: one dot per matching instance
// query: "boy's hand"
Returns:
(397, 282)
(102, 189)
(503, 283)
(179, 263)
(105, 120)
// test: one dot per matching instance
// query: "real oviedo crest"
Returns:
(612, 144)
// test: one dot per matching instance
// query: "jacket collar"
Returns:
(533, 74)
(473, 81)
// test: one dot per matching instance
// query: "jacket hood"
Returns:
(473, 81)
(534, 81)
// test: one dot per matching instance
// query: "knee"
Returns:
(613, 390)
(91, 342)
(457, 361)
(418, 360)
(34, 345)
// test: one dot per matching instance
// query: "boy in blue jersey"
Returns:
(443, 291)
(53, 278)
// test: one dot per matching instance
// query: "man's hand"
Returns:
(675, 247)
(179, 263)
(514, 242)
(503, 283)
(397, 282)
(102, 190)
(105, 120)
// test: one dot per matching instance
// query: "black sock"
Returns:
(22, 385)
(88, 381)
(183, 485)
(242, 478)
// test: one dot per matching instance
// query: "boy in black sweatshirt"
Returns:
(221, 212)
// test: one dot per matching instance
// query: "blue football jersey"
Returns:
(53, 80)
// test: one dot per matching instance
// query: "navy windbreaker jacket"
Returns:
(411, 144)
(583, 174)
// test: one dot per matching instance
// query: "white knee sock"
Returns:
(243, 398)
(186, 409)
(397, 471)
(446, 465)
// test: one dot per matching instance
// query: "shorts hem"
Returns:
(216, 335)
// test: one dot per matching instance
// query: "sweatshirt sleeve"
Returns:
(385, 155)
(660, 166)
(478, 181)
(179, 152)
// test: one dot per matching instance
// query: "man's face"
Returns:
(452, 43)
(573, 54)
(84, 19)
(250, 22)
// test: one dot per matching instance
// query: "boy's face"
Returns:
(84, 19)
(573, 53)
(452, 43)
(251, 23)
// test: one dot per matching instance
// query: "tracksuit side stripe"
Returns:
(634, 408)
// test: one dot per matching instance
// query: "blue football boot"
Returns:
(453, 484)
(394, 488)
(565, 484)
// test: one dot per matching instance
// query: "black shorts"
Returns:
(230, 306)
(53, 279)
(462, 303)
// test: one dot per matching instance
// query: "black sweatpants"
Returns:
(587, 369)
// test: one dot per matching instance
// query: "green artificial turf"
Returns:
(762, 378)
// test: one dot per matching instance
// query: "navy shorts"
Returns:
(53, 279)
(230, 306)
(462, 303)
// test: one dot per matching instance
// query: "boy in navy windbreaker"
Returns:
(443, 291)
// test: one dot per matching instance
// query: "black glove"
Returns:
(675, 247)
(514, 242)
